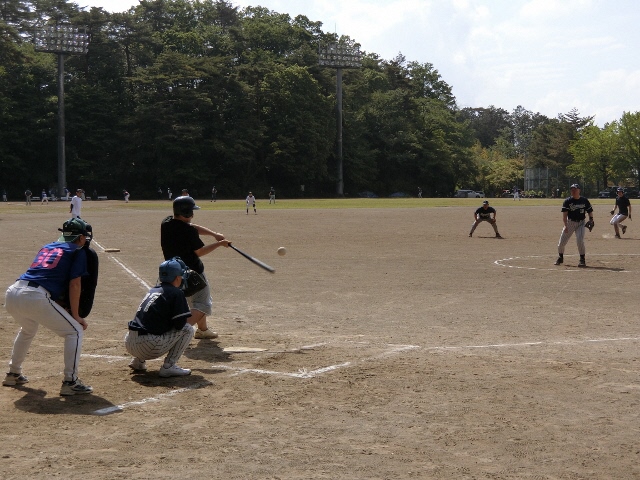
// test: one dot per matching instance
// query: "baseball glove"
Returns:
(193, 283)
(590, 224)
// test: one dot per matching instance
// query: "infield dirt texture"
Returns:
(396, 347)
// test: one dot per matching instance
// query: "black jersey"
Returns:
(485, 213)
(180, 239)
(163, 309)
(577, 208)
(623, 204)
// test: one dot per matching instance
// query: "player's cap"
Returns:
(78, 189)
(620, 189)
(575, 185)
(73, 228)
(485, 203)
(184, 206)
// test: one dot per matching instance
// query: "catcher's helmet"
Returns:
(184, 206)
(73, 228)
(170, 269)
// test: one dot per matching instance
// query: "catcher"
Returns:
(484, 214)
(163, 323)
(49, 293)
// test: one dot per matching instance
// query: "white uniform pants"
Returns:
(148, 347)
(578, 228)
(616, 221)
(32, 307)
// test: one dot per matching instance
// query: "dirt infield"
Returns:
(387, 344)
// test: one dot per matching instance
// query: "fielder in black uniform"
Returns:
(483, 214)
(574, 210)
(624, 210)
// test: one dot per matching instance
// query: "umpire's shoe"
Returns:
(75, 388)
(559, 261)
(208, 333)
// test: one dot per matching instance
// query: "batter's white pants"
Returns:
(32, 307)
(617, 221)
(578, 228)
(148, 347)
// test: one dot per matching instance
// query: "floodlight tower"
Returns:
(61, 40)
(339, 56)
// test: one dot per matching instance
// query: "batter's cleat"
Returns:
(138, 365)
(13, 379)
(471, 234)
(75, 388)
(624, 229)
(582, 263)
(174, 371)
(559, 261)
(208, 333)
(618, 235)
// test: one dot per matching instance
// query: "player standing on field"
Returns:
(180, 238)
(272, 195)
(624, 210)
(483, 214)
(251, 201)
(76, 204)
(574, 210)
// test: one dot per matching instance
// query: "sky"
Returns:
(548, 56)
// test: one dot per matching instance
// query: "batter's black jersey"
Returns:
(163, 309)
(623, 204)
(577, 208)
(179, 239)
(485, 214)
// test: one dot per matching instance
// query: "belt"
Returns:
(140, 332)
(33, 284)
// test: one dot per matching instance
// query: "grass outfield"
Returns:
(330, 203)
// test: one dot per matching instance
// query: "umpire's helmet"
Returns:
(184, 206)
(73, 228)
(170, 269)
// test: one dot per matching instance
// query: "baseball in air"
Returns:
(282, 251)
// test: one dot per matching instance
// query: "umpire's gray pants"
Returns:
(578, 228)
(148, 347)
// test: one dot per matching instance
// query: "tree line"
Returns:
(190, 94)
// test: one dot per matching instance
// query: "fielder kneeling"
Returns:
(162, 323)
(483, 214)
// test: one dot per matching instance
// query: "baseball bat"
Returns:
(254, 260)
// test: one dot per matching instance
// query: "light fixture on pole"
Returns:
(61, 40)
(339, 56)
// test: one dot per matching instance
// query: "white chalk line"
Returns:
(157, 398)
(556, 269)
(533, 344)
(124, 267)
(303, 373)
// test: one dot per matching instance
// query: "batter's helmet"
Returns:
(73, 228)
(184, 206)
(170, 269)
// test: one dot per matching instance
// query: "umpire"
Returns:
(574, 210)
(35, 299)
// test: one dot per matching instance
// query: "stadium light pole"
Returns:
(339, 56)
(61, 40)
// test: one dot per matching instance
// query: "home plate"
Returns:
(243, 349)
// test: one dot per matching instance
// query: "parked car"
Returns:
(466, 194)
(479, 194)
(367, 194)
(604, 194)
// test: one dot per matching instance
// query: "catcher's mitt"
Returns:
(590, 224)
(193, 283)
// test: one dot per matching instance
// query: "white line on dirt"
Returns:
(124, 267)
(122, 406)
(530, 344)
